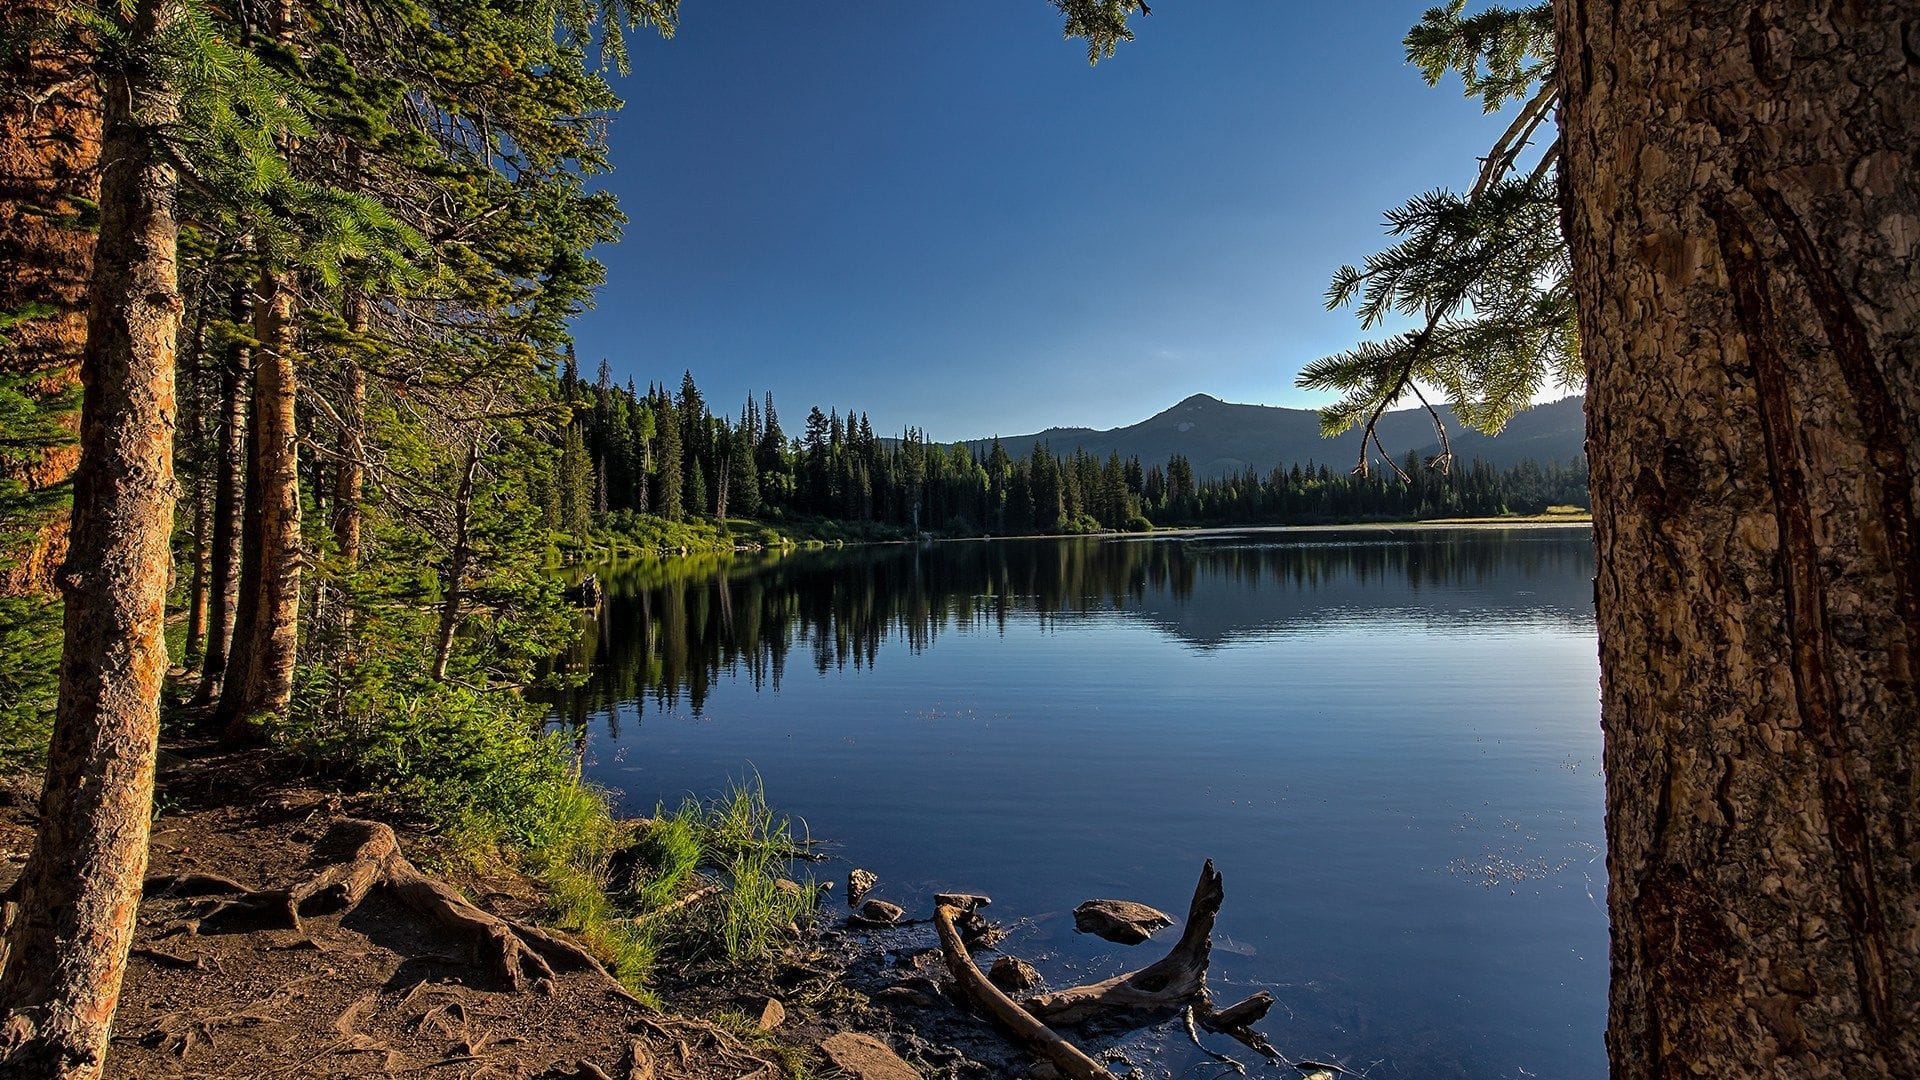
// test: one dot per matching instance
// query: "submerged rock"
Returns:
(1121, 921)
(879, 911)
(1014, 975)
(864, 1057)
(859, 884)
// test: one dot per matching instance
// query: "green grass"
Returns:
(740, 842)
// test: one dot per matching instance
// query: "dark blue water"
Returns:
(1388, 742)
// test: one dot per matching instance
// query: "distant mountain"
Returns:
(1222, 438)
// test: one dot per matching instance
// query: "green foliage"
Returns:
(747, 848)
(32, 421)
(29, 678)
(1102, 22)
(468, 761)
(1487, 279)
(1501, 54)
(1482, 277)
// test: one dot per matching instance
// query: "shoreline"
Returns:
(1567, 521)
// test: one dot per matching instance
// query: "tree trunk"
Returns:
(49, 157)
(1744, 225)
(199, 459)
(266, 630)
(457, 563)
(68, 939)
(229, 487)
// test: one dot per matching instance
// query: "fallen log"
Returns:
(1038, 1037)
(1167, 985)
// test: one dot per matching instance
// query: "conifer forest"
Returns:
(395, 637)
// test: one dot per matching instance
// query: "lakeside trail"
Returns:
(387, 989)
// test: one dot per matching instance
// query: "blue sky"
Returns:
(941, 215)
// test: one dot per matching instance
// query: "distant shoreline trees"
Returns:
(630, 452)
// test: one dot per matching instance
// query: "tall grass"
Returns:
(739, 843)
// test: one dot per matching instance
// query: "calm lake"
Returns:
(1387, 740)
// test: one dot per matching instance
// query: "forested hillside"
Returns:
(627, 457)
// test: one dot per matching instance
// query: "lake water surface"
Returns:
(1387, 740)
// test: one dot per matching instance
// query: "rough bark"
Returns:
(1744, 222)
(49, 157)
(68, 940)
(198, 459)
(266, 630)
(229, 486)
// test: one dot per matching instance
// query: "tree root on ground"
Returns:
(367, 856)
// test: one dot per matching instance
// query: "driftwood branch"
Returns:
(1168, 984)
(1037, 1036)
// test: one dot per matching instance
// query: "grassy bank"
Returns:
(626, 535)
(704, 883)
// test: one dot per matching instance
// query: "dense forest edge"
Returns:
(639, 472)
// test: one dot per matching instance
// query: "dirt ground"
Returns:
(382, 991)
(387, 991)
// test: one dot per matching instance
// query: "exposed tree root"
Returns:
(367, 856)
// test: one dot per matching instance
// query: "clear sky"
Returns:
(939, 214)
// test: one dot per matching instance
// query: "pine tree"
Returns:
(667, 494)
(743, 483)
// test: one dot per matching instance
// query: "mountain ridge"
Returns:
(1221, 438)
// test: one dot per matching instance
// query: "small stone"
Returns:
(864, 1057)
(859, 884)
(1121, 921)
(772, 1015)
(1014, 975)
(920, 993)
(791, 888)
(879, 911)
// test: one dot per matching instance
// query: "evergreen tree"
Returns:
(667, 487)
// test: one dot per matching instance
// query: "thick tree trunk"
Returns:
(49, 157)
(229, 486)
(266, 630)
(1745, 225)
(68, 939)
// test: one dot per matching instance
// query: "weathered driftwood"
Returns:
(1236, 1022)
(1169, 984)
(1037, 1036)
